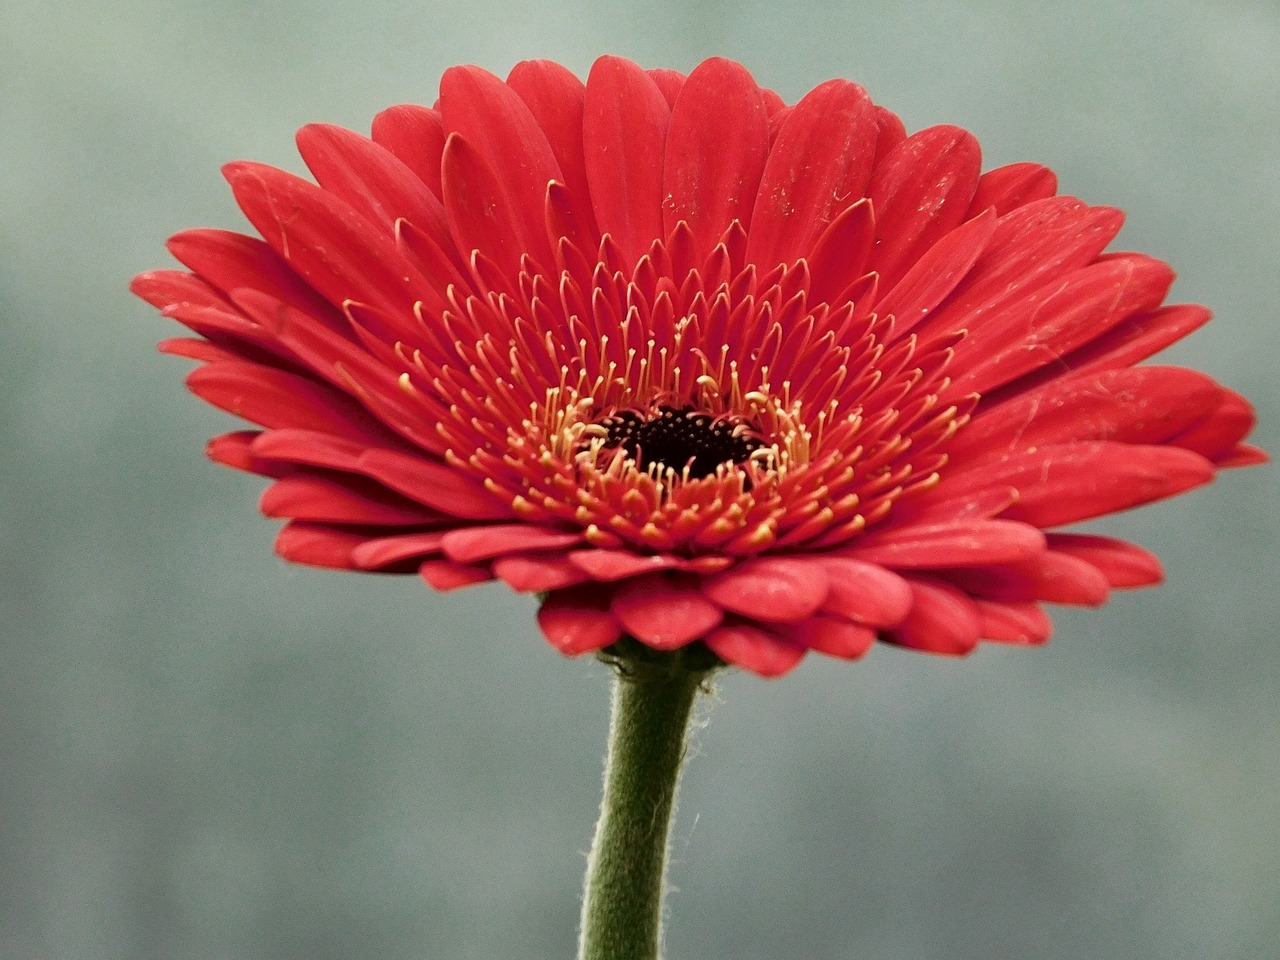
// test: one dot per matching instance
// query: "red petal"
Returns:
(349, 367)
(608, 565)
(369, 178)
(831, 636)
(235, 450)
(670, 82)
(1033, 249)
(753, 649)
(538, 572)
(310, 447)
(443, 575)
(416, 136)
(891, 132)
(717, 142)
(1053, 577)
(1217, 435)
(864, 592)
(1008, 187)
(193, 349)
(771, 589)
(352, 500)
(394, 550)
(706, 563)
(1066, 484)
(624, 131)
(1243, 455)
(936, 274)
(664, 611)
(569, 218)
(840, 254)
(936, 505)
(1144, 405)
(1136, 338)
(818, 166)
(1028, 336)
(1123, 564)
(166, 288)
(274, 398)
(1013, 622)
(318, 546)
(480, 213)
(484, 543)
(439, 261)
(577, 620)
(942, 620)
(493, 120)
(775, 105)
(921, 192)
(960, 544)
(230, 328)
(230, 262)
(556, 98)
(430, 482)
(338, 252)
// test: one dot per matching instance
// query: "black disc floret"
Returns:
(679, 438)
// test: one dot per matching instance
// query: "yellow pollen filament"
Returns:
(522, 506)
(406, 384)
(953, 427)
(633, 501)
(846, 503)
(883, 507)
(651, 534)
(930, 481)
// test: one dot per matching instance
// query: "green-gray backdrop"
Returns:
(207, 755)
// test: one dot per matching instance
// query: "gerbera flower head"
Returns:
(696, 366)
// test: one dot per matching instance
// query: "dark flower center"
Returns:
(680, 439)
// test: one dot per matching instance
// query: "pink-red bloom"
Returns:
(696, 365)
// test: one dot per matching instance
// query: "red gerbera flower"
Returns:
(696, 365)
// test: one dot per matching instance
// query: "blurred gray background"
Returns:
(206, 754)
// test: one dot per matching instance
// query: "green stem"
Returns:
(626, 870)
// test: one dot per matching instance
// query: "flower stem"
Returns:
(626, 870)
